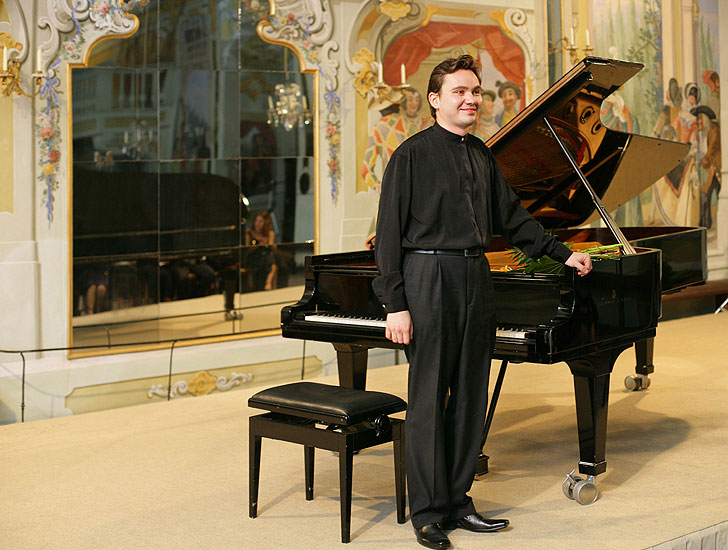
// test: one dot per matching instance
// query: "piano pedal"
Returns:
(583, 491)
(637, 382)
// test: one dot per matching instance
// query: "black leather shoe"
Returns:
(477, 523)
(432, 536)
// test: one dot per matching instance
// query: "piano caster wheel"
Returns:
(583, 491)
(637, 382)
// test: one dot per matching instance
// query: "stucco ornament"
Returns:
(395, 10)
(307, 27)
(365, 77)
(202, 383)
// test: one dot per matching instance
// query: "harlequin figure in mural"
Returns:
(389, 132)
(486, 125)
(510, 94)
(709, 159)
(443, 197)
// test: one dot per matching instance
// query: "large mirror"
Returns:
(193, 172)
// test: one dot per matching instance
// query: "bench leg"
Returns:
(346, 463)
(308, 453)
(253, 467)
(400, 477)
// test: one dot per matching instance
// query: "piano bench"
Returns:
(328, 417)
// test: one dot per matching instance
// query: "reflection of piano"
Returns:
(165, 235)
(545, 318)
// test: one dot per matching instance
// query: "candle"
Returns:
(572, 37)
(39, 61)
(270, 102)
(5, 59)
(381, 77)
(587, 38)
(402, 73)
(305, 103)
(126, 138)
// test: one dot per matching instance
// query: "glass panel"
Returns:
(195, 113)
(114, 115)
(173, 160)
(254, 52)
(198, 35)
(257, 97)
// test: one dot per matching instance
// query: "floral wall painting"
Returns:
(392, 102)
(676, 97)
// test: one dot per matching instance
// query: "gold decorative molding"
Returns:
(499, 16)
(395, 10)
(430, 10)
(365, 78)
(8, 40)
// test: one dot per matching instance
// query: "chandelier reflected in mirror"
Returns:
(288, 107)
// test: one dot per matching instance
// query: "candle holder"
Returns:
(564, 44)
(10, 80)
(10, 76)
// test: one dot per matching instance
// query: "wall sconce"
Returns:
(290, 107)
(10, 76)
(569, 44)
(381, 93)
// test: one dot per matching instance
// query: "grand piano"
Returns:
(568, 169)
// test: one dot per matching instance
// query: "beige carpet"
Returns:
(174, 475)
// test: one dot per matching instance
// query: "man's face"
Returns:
(509, 98)
(412, 103)
(458, 101)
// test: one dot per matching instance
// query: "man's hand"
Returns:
(399, 327)
(581, 261)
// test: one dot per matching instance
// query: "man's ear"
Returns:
(434, 100)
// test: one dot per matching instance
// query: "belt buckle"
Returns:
(471, 252)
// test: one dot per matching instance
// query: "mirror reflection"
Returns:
(192, 209)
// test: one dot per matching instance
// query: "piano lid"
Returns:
(612, 161)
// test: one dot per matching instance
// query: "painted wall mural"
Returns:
(676, 97)
(395, 53)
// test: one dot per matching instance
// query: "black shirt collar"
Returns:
(447, 134)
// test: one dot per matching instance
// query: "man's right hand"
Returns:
(399, 327)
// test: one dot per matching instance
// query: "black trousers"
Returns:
(451, 302)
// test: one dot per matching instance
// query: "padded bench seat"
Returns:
(338, 419)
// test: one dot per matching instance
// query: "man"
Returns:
(443, 197)
(710, 161)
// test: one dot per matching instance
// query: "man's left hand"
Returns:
(581, 261)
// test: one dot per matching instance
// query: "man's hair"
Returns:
(449, 66)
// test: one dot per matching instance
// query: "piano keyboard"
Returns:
(381, 323)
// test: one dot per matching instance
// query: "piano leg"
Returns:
(482, 464)
(591, 387)
(644, 352)
(352, 363)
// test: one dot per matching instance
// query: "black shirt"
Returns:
(445, 191)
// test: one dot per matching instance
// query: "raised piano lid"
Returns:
(612, 161)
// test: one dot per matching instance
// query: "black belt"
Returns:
(467, 252)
